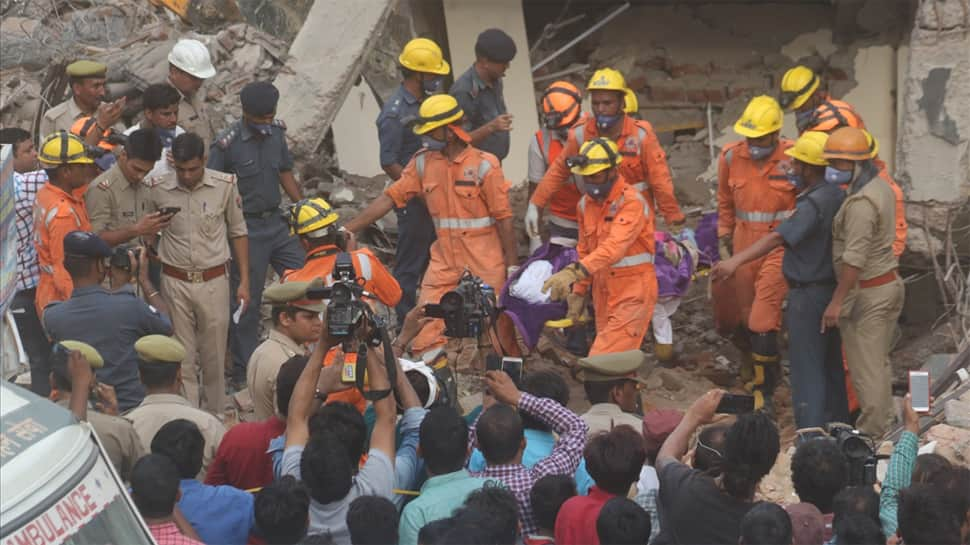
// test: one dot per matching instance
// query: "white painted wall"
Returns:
(355, 134)
(873, 97)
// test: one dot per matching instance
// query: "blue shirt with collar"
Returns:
(394, 128)
(538, 445)
(111, 322)
(808, 235)
(256, 160)
(220, 514)
(482, 103)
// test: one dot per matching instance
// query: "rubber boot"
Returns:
(765, 357)
(664, 352)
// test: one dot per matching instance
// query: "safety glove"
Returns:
(559, 285)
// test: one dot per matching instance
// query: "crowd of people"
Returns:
(144, 254)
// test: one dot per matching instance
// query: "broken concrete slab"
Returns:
(951, 442)
(957, 413)
(355, 134)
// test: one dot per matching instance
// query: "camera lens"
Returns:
(451, 301)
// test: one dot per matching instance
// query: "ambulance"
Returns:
(57, 485)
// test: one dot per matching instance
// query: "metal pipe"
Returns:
(710, 134)
(582, 36)
(561, 73)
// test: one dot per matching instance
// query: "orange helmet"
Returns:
(848, 143)
(561, 104)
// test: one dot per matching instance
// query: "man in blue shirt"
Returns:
(423, 69)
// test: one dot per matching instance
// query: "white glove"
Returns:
(532, 221)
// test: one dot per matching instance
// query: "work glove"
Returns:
(725, 246)
(576, 308)
(560, 285)
(532, 221)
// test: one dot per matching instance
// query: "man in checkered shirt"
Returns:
(28, 180)
(499, 435)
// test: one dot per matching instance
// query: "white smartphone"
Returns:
(919, 391)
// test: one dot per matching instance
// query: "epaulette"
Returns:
(225, 138)
(104, 184)
(279, 123)
(222, 176)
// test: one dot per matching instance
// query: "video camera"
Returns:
(857, 448)
(467, 309)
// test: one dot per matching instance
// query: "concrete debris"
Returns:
(957, 413)
(951, 442)
(341, 195)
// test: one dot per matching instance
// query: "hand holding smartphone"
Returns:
(735, 404)
(919, 391)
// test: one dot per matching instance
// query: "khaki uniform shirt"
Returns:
(210, 215)
(606, 416)
(156, 410)
(263, 367)
(192, 118)
(118, 436)
(865, 228)
(113, 202)
(62, 116)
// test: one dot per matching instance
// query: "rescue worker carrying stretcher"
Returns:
(468, 198)
(616, 252)
(754, 196)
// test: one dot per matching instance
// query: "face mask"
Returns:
(760, 152)
(599, 191)
(263, 129)
(431, 86)
(795, 180)
(562, 134)
(836, 176)
(433, 144)
(604, 122)
(802, 119)
(166, 136)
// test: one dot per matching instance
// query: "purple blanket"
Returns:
(530, 318)
(706, 236)
(672, 281)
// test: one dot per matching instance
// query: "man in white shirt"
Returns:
(161, 112)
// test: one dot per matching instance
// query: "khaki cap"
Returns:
(89, 352)
(615, 366)
(293, 294)
(159, 349)
(86, 69)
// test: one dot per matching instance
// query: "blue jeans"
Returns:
(415, 234)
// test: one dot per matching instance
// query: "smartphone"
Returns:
(169, 210)
(735, 404)
(919, 390)
(493, 362)
(513, 367)
(434, 310)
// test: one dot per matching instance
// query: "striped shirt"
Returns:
(27, 186)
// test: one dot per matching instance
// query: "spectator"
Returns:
(859, 500)
(498, 432)
(250, 452)
(819, 470)
(766, 524)
(925, 518)
(955, 486)
(499, 507)
(282, 511)
(160, 104)
(444, 446)
(327, 462)
(547, 497)
(708, 453)
(372, 520)
(155, 491)
(614, 460)
(859, 530)
(688, 495)
(539, 438)
(433, 532)
(23, 151)
(658, 424)
(808, 526)
(622, 522)
(317, 539)
(220, 514)
(470, 528)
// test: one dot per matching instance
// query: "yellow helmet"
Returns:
(607, 79)
(311, 217)
(423, 55)
(809, 147)
(631, 106)
(761, 116)
(437, 111)
(796, 86)
(596, 155)
(63, 148)
(873, 144)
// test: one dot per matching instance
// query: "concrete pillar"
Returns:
(873, 96)
(355, 134)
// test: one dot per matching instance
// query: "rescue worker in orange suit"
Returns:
(616, 251)
(753, 197)
(644, 162)
(58, 210)
(561, 109)
(467, 196)
(816, 111)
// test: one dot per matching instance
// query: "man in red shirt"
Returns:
(614, 460)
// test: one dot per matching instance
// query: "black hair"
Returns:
(861, 500)
(144, 144)
(954, 485)
(286, 379)
(159, 95)
(614, 459)
(278, 310)
(158, 375)
(470, 528)
(154, 486)
(79, 265)
(498, 506)
(372, 520)
(343, 421)
(183, 443)
(766, 524)
(547, 497)
(318, 539)
(60, 380)
(420, 384)
(326, 468)
(750, 450)
(925, 518)
(281, 510)
(599, 392)
(13, 136)
(929, 467)
(443, 437)
(433, 532)
(712, 437)
(188, 146)
(819, 470)
(547, 384)
(622, 522)
(859, 530)
(500, 434)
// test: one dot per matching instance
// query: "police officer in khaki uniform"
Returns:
(296, 322)
(194, 250)
(87, 79)
(72, 380)
(159, 364)
(189, 65)
(613, 389)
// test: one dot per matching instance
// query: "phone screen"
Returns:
(735, 404)
(493, 362)
(919, 390)
(513, 367)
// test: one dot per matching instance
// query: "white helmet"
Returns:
(192, 56)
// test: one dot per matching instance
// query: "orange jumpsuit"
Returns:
(753, 197)
(465, 197)
(644, 165)
(562, 204)
(616, 247)
(901, 225)
(56, 213)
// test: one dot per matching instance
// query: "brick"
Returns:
(734, 92)
(637, 83)
(663, 93)
(696, 95)
(653, 63)
(678, 70)
(715, 95)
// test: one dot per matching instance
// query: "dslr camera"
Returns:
(346, 309)
(467, 309)
(857, 448)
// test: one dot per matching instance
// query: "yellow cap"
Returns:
(630, 103)
(762, 116)
(437, 111)
(809, 147)
(311, 217)
(423, 55)
(615, 366)
(63, 148)
(796, 86)
(607, 79)
(293, 294)
(159, 349)
(86, 69)
(89, 352)
(596, 155)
